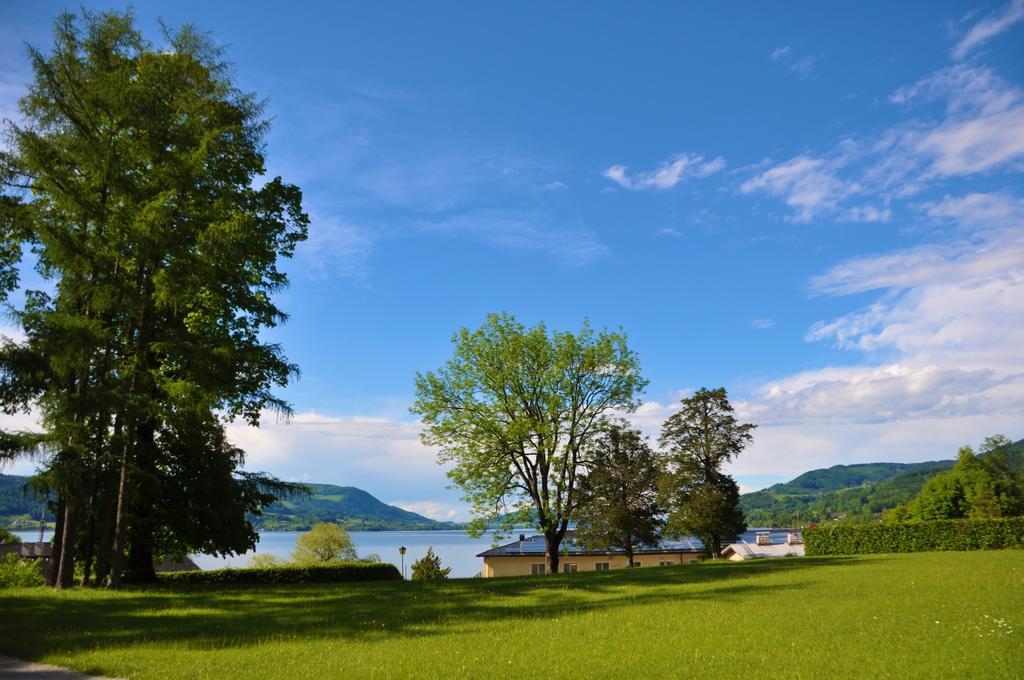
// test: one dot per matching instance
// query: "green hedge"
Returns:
(344, 572)
(917, 536)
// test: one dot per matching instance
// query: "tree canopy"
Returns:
(513, 411)
(619, 507)
(324, 543)
(699, 440)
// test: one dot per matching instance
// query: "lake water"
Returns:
(457, 549)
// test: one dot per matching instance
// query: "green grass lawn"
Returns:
(924, 615)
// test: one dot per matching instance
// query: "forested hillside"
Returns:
(353, 508)
(847, 493)
(19, 505)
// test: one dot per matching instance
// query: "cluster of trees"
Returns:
(530, 421)
(981, 486)
(134, 180)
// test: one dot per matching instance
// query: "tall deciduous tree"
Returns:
(136, 181)
(514, 409)
(619, 505)
(699, 440)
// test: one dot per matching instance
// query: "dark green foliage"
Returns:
(341, 572)
(7, 538)
(428, 568)
(915, 536)
(618, 506)
(699, 440)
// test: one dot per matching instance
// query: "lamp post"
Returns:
(401, 551)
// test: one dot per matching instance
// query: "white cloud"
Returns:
(980, 132)
(803, 66)
(380, 454)
(555, 186)
(989, 27)
(335, 248)
(668, 174)
(667, 231)
(866, 213)
(762, 324)
(807, 184)
(436, 510)
(941, 354)
(526, 231)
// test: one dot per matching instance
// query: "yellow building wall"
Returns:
(520, 565)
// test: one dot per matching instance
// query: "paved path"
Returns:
(16, 669)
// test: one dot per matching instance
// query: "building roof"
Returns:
(749, 551)
(534, 546)
(167, 566)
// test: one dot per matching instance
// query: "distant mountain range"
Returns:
(353, 508)
(848, 493)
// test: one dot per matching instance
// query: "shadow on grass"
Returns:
(36, 622)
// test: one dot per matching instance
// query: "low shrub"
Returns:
(17, 572)
(342, 572)
(916, 536)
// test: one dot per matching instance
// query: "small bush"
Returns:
(16, 572)
(265, 561)
(916, 536)
(428, 567)
(343, 572)
(8, 538)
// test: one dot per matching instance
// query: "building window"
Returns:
(601, 566)
(568, 567)
(665, 563)
(536, 569)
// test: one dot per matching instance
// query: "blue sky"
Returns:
(818, 207)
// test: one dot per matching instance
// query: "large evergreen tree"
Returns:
(618, 507)
(699, 440)
(135, 179)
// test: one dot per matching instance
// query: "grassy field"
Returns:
(921, 615)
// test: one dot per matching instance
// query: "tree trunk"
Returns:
(551, 552)
(140, 558)
(58, 544)
(629, 554)
(66, 563)
(117, 556)
(105, 530)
